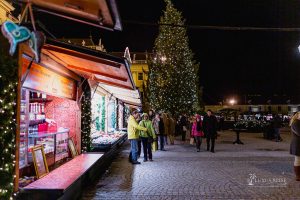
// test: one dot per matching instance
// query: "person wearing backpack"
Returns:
(197, 131)
(147, 137)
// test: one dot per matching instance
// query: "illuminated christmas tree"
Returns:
(173, 79)
(8, 110)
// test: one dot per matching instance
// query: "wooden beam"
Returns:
(97, 72)
(112, 83)
(81, 55)
(19, 95)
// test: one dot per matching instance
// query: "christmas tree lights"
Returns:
(8, 96)
(173, 78)
(86, 119)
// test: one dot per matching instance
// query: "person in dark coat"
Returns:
(210, 127)
(183, 126)
(276, 125)
(295, 143)
(159, 129)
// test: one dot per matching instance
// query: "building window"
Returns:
(140, 76)
(269, 109)
(279, 108)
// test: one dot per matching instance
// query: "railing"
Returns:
(139, 61)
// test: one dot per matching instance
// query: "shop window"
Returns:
(140, 76)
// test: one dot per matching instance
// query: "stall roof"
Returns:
(125, 95)
(99, 13)
(91, 64)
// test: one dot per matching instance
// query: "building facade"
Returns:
(140, 72)
(5, 12)
(286, 109)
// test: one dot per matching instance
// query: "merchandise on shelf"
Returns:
(106, 138)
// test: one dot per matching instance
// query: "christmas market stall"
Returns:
(51, 113)
(108, 108)
(53, 102)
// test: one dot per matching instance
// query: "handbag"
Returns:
(150, 138)
(192, 140)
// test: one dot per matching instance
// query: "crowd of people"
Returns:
(152, 131)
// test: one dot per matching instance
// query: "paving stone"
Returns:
(182, 173)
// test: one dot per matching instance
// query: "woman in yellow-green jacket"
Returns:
(133, 136)
(147, 137)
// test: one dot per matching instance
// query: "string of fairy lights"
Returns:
(86, 119)
(7, 137)
(173, 73)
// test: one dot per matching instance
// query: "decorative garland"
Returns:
(8, 96)
(86, 119)
(103, 114)
(114, 116)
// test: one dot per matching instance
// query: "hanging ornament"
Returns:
(36, 42)
(15, 35)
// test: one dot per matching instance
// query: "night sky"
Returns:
(232, 62)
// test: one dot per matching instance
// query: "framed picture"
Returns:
(72, 147)
(40, 162)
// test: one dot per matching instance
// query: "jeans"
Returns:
(198, 142)
(210, 137)
(161, 142)
(183, 134)
(147, 148)
(277, 134)
(166, 139)
(133, 149)
(139, 142)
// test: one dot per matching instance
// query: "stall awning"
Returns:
(91, 64)
(131, 97)
(99, 13)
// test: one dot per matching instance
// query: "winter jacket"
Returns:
(277, 122)
(166, 121)
(194, 130)
(172, 126)
(133, 128)
(295, 142)
(158, 126)
(210, 125)
(150, 130)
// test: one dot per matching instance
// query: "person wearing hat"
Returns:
(133, 129)
(147, 137)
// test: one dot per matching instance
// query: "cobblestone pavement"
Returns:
(259, 169)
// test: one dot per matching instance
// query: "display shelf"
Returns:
(39, 100)
(36, 122)
(46, 134)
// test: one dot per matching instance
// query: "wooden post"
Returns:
(19, 94)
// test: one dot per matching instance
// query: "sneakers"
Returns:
(198, 150)
(136, 162)
(213, 151)
(151, 160)
(145, 160)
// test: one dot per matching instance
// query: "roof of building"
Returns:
(79, 41)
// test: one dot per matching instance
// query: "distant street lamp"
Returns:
(232, 101)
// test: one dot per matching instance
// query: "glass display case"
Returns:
(32, 125)
(55, 143)
(23, 162)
